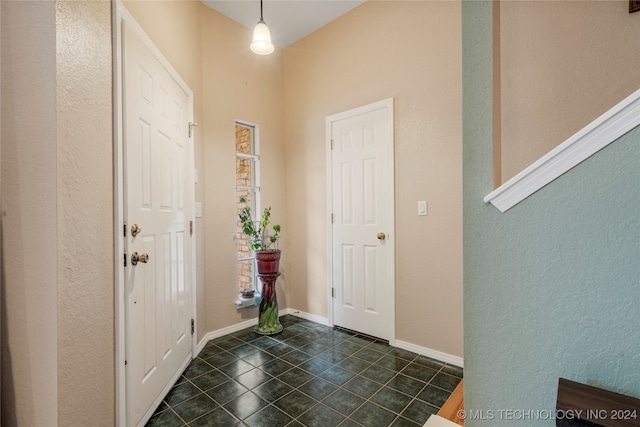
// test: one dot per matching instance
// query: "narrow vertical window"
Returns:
(247, 186)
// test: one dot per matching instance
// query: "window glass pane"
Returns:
(246, 176)
(244, 139)
(245, 274)
(244, 171)
(243, 243)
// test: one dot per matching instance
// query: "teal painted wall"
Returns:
(552, 286)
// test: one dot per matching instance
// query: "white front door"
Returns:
(362, 229)
(158, 201)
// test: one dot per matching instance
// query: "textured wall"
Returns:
(409, 51)
(564, 63)
(29, 288)
(85, 274)
(551, 288)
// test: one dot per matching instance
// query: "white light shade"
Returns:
(261, 43)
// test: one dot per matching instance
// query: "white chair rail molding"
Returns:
(592, 138)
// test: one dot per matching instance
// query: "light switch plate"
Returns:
(422, 208)
(198, 210)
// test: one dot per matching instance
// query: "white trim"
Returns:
(595, 136)
(224, 331)
(120, 15)
(329, 186)
(434, 354)
(257, 207)
(252, 322)
(438, 355)
(192, 215)
(383, 104)
(308, 316)
(437, 421)
(118, 215)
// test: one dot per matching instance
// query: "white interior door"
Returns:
(158, 200)
(362, 229)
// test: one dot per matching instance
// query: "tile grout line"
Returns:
(340, 386)
(368, 399)
(356, 339)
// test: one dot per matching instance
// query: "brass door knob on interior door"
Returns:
(135, 258)
(381, 236)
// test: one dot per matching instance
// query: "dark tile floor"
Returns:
(308, 375)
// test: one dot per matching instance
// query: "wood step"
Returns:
(454, 403)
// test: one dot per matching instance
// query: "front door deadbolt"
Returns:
(144, 258)
(135, 230)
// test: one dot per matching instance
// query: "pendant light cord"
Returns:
(261, 11)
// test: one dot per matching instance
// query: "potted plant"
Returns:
(267, 264)
(267, 259)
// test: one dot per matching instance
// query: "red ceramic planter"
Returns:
(268, 261)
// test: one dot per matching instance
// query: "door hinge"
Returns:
(124, 229)
(332, 218)
(191, 128)
(193, 326)
(332, 143)
(191, 228)
(125, 259)
(125, 363)
(333, 292)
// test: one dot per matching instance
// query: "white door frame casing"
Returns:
(120, 15)
(383, 104)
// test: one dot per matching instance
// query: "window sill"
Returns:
(248, 302)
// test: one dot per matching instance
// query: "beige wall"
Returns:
(57, 325)
(563, 64)
(174, 27)
(427, 154)
(238, 85)
(210, 52)
(29, 265)
(58, 340)
(410, 51)
(86, 353)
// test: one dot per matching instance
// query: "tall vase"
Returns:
(268, 320)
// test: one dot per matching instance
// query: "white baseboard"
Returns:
(309, 316)
(251, 322)
(224, 331)
(434, 354)
(284, 312)
(438, 355)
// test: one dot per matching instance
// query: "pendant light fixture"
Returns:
(261, 43)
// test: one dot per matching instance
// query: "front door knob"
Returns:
(135, 258)
(381, 236)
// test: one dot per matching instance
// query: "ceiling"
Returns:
(288, 20)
